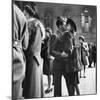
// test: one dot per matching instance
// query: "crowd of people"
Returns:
(37, 51)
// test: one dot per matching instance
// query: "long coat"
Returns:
(84, 54)
(33, 79)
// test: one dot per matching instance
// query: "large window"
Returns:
(86, 21)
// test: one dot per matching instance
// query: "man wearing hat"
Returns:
(61, 50)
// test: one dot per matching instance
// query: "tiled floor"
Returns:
(87, 85)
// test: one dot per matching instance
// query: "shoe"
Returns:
(80, 76)
(48, 90)
(84, 76)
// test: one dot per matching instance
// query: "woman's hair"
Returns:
(59, 21)
(31, 12)
(49, 30)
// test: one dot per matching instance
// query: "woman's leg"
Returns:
(49, 81)
(80, 74)
(84, 71)
(49, 89)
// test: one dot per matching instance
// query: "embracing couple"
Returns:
(62, 50)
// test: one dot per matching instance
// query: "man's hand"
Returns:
(63, 54)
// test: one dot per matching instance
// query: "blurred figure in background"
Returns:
(84, 53)
(33, 87)
(90, 45)
(94, 54)
(20, 42)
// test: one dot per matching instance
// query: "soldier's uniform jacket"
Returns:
(61, 43)
(20, 41)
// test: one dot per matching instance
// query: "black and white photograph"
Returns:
(54, 49)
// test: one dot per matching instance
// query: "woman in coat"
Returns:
(33, 80)
(84, 53)
(47, 58)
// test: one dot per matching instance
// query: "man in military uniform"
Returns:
(20, 43)
(61, 50)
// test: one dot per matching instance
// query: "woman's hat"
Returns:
(66, 21)
(82, 38)
(72, 23)
(61, 21)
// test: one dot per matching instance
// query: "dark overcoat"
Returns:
(84, 54)
(61, 43)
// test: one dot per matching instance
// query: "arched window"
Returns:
(48, 19)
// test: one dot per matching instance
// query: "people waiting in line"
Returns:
(50, 54)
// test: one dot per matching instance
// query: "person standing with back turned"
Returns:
(20, 43)
(33, 79)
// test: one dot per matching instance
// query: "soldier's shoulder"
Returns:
(19, 13)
